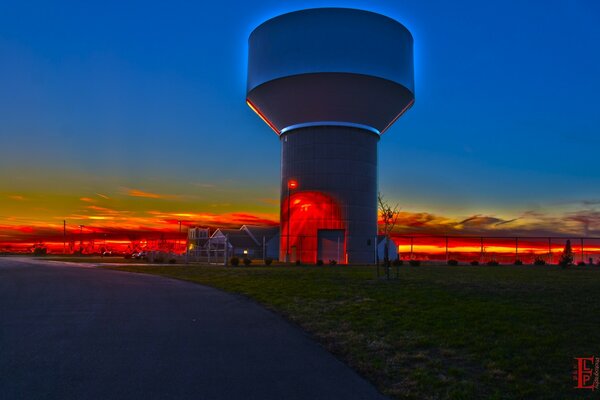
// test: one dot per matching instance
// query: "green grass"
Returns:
(438, 331)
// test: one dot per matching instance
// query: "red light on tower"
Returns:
(292, 184)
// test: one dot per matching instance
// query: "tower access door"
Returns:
(331, 245)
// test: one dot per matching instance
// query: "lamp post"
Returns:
(81, 239)
(179, 236)
(64, 236)
(292, 184)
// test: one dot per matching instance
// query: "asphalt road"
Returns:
(68, 331)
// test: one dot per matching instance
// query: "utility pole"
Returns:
(446, 248)
(179, 237)
(81, 238)
(481, 249)
(64, 237)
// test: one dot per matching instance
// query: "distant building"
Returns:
(249, 241)
(267, 236)
(197, 239)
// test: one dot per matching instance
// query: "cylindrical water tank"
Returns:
(329, 81)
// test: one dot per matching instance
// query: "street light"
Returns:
(292, 184)
(179, 236)
(81, 238)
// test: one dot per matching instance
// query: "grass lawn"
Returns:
(438, 331)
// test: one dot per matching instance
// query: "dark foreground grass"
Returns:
(437, 332)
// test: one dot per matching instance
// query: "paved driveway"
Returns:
(77, 332)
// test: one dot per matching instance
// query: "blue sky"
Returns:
(150, 95)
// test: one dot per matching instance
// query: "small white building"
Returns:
(392, 249)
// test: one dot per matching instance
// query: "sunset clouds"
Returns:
(121, 210)
(141, 193)
(116, 217)
(583, 222)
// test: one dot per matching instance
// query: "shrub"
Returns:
(159, 259)
(247, 261)
(539, 261)
(453, 262)
(566, 258)
(414, 263)
(397, 262)
(518, 262)
(319, 262)
(235, 261)
(172, 261)
(332, 262)
(493, 263)
(474, 262)
(268, 261)
(40, 251)
(581, 264)
(298, 262)
(127, 256)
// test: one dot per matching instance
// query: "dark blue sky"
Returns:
(151, 95)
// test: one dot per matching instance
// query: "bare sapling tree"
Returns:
(389, 217)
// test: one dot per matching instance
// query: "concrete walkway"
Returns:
(69, 331)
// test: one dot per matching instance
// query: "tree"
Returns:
(566, 258)
(39, 249)
(389, 217)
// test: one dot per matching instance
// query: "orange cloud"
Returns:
(149, 195)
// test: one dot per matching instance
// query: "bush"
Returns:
(566, 258)
(127, 256)
(518, 262)
(172, 261)
(319, 262)
(235, 261)
(159, 259)
(247, 261)
(397, 262)
(581, 264)
(40, 251)
(493, 263)
(539, 261)
(268, 261)
(453, 262)
(298, 262)
(332, 262)
(474, 262)
(414, 263)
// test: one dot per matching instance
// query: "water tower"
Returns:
(330, 82)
